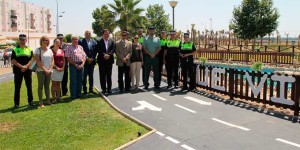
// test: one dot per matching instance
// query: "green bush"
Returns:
(203, 60)
(257, 66)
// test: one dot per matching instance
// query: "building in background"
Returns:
(18, 17)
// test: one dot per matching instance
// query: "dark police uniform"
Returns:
(23, 57)
(163, 46)
(187, 64)
(172, 61)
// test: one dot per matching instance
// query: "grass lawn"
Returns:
(88, 123)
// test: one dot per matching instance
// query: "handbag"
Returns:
(33, 67)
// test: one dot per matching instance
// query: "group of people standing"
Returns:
(80, 57)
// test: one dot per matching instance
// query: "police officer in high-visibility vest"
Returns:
(21, 57)
(140, 34)
(163, 48)
(172, 59)
(187, 50)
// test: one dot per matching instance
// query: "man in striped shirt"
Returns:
(76, 58)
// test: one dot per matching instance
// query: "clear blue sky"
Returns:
(78, 16)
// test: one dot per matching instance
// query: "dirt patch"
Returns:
(5, 70)
(7, 126)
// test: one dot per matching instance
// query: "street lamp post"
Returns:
(173, 5)
(57, 30)
(57, 16)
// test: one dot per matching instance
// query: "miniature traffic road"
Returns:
(196, 120)
(6, 77)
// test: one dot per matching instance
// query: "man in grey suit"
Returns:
(123, 52)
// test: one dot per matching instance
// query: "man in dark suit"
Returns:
(88, 45)
(105, 49)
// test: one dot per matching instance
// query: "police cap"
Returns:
(172, 32)
(163, 31)
(60, 35)
(22, 37)
(186, 34)
(151, 27)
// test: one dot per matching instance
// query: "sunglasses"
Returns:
(22, 39)
(45, 40)
(136, 38)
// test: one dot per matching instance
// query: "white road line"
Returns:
(287, 142)
(155, 95)
(229, 124)
(159, 133)
(197, 100)
(192, 111)
(2, 78)
(187, 147)
(172, 140)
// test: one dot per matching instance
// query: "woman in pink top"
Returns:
(58, 70)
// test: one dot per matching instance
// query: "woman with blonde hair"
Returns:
(58, 70)
(45, 62)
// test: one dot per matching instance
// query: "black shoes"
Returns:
(31, 104)
(157, 87)
(16, 106)
(93, 92)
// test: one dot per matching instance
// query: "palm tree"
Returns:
(128, 16)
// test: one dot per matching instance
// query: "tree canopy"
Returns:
(128, 15)
(158, 18)
(104, 18)
(254, 18)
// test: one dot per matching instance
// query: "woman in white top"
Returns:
(45, 62)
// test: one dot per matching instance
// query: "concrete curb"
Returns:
(152, 130)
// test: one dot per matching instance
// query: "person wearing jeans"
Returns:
(76, 58)
(45, 61)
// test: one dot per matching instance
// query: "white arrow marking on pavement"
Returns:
(144, 104)
(2, 78)
(155, 95)
(187, 147)
(229, 124)
(197, 100)
(192, 111)
(287, 142)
